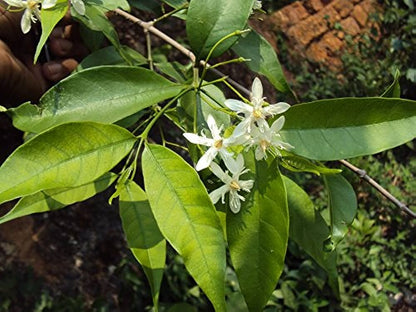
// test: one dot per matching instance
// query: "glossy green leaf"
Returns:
(342, 206)
(3, 109)
(393, 91)
(262, 59)
(176, 3)
(55, 199)
(103, 94)
(48, 19)
(110, 5)
(258, 234)
(309, 230)
(110, 56)
(186, 218)
(210, 20)
(349, 127)
(299, 164)
(65, 156)
(143, 235)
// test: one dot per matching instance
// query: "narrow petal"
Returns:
(259, 153)
(48, 4)
(220, 173)
(242, 128)
(206, 159)
(278, 124)
(78, 6)
(235, 204)
(196, 139)
(257, 89)
(278, 108)
(212, 125)
(15, 3)
(216, 194)
(26, 21)
(246, 185)
(238, 106)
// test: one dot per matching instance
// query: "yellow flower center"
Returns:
(264, 145)
(234, 185)
(257, 113)
(31, 4)
(218, 144)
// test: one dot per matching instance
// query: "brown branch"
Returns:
(148, 26)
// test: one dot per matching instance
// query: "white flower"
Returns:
(79, 6)
(31, 13)
(269, 140)
(255, 115)
(232, 184)
(217, 144)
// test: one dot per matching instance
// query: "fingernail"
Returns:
(53, 69)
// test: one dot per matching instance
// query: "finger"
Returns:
(57, 70)
(17, 82)
(67, 48)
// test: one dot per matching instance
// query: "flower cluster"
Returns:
(253, 131)
(32, 10)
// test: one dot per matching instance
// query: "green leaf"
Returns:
(111, 5)
(393, 91)
(299, 164)
(349, 127)
(3, 109)
(65, 156)
(176, 4)
(262, 60)
(209, 21)
(309, 230)
(110, 56)
(258, 234)
(342, 206)
(48, 19)
(55, 199)
(186, 218)
(102, 94)
(143, 235)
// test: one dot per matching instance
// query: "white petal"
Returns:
(259, 153)
(262, 124)
(278, 108)
(235, 204)
(212, 125)
(215, 195)
(78, 6)
(238, 106)
(242, 128)
(257, 89)
(26, 21)
(278, 124)
(47, 4)
(206, 159)
(220, 173)
(246, 185)
(15, 3)
(227, 158)
(196, 139)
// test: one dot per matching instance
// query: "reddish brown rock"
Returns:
(343, 7)
(289, 15)
(369, 6)
(331, 42)
(316, 53)
(329, 14)
(350, 26)
(305, 31)
(360, 15)
(315, 5)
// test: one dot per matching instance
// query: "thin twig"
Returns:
(363, 175)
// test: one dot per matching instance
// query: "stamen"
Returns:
(234, 185)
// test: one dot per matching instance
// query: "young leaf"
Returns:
(55, 199)
(258, 234)
(342, 206)
(262, 59)
(393, 91)
(186, 218)
(103, 94)
(299, 164)
(309, 230)
(48, 19)
(143, 236)
(349, 127)
(65, 156)
(209, 21)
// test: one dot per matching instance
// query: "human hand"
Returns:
(20, 79)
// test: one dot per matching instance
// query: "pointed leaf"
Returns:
(309, 230)
(186, 218)
(143, 235)
(48, 19)
(262, 59)
(55, 199)
(300, 164)
(393, 91)
(65, 156)
(342, 206)
(258, 235)
(209, 21)
(349, 127)
(103, 94)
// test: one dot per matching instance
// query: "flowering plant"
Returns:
(102, 115)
